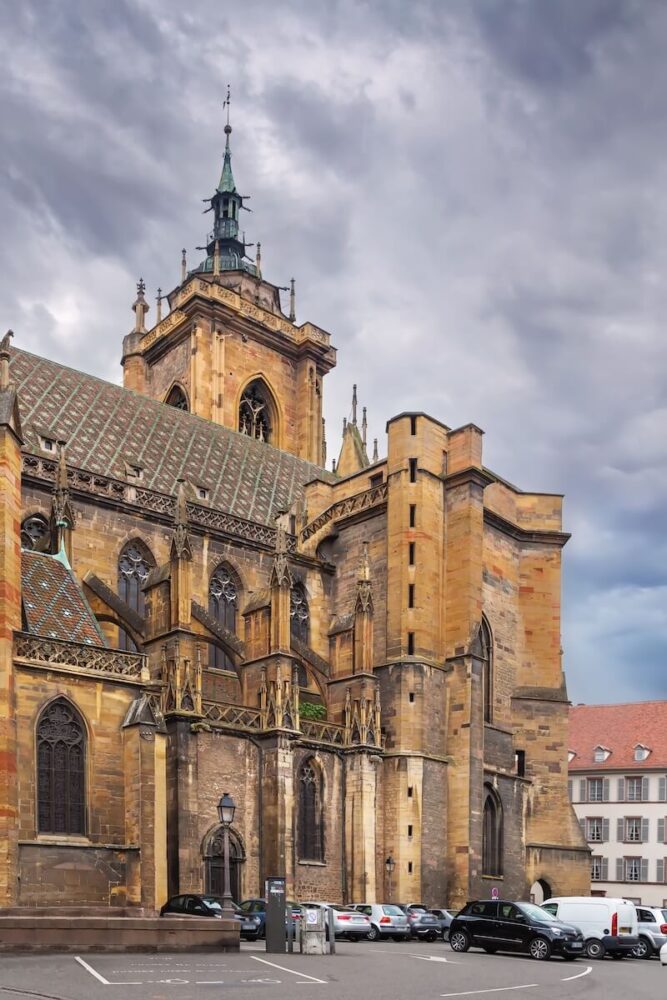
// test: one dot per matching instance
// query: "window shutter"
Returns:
(621, 789)
(644, 789)
(661, 831)
(605, 789)
(582, 824)
(620, 825)
(645, 834)
(644, 869)
(662, 789)
(569, 790)
(619, 869)
(660, 870)
(582, 790)
(605, 829)
(604, 869)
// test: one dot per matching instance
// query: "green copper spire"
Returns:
(227, 184)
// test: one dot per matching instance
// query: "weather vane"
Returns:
(227, 102)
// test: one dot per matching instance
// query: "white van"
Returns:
(609, 925)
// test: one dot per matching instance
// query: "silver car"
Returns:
(348, 923)
(387, 920)
(445, 917)
(652, 926)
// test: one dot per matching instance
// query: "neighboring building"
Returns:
(618, 784)
(368, 661)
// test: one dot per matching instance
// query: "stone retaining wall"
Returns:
(116, 934)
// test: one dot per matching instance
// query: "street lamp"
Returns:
(389, 865)
(226, 810)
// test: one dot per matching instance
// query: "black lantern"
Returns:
(226, 809)
(390, 864)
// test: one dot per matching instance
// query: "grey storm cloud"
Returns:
(470, 196)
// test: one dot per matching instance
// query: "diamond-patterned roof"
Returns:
(105, 426)
(53, 603)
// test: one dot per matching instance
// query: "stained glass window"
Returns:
(222, 603)
(61, 757)
(299, 612)
(311, 839)
(134, 565)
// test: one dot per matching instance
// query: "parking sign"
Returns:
(495, 893)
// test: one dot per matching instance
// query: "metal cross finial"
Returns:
(227, 101)
(141, 286)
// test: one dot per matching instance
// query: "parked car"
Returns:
(423, 923)
(609, 924)
(387, 920)
(258, 907)
(652, 928)
(192, 905)
(445, 917)
(663, 955)
(497, 925)
(348, 923)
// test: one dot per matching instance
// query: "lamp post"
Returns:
(226, 810)
(389, 866)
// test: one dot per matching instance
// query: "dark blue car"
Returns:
(257, 907)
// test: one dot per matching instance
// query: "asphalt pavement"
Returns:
(384, 970)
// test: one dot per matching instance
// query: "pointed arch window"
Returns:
(177, 398)
(299, 612)
(492, 833)
(35, 533)
(61, 760)
(255, 412)
(223, 593)
(486, 648)
(134, 564)
(311, 833)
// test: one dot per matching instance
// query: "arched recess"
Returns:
(224, 599)
(135, 562)
(258, 412)
(177, 397)
(492, 833)
(540, 890)
(299, 612)
(486, 656)
(214, 863)
(310, 816)
(61, 743)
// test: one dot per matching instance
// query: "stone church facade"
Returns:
(368, 660)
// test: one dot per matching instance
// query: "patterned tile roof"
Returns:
(53, 603)
(106, 426)
(618, 728)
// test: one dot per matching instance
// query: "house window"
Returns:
(413, 470)
(222, 603)
(134, 564)
(311, 840)
(492, 834)
(598, 869)
(641, 752)
(633, 869)
(520, 762)
(633, 789)
(600, 754)
(633, 829)
(375, 481)
(299, 612)
(594, 830)
(202, 493)
(47, 443)
(61, 758)
(595, 789)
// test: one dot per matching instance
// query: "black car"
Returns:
(192, 905)
(495, 925)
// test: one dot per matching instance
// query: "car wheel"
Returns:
(540, 949)
(432, 936)
(594, 948)
(459, 941)
(373, 933)
(642, 949)
(445, 933)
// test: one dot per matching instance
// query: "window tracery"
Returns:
(311, 839)
(299, 612)
(254, 412)
(177, 398)
(492, 834)
(134, 564)
(222, 604)
(486, 644)
(61, 753)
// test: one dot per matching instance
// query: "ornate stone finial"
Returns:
(258, 259)
(62, 512)
(184, 265)
(354, 405)
(364, 564)
(375, 449)
(216, 258)
(4, 359)
(180, 543)
(344, 425)
(364, 602)
(280, 574)
(140, 307)
(364, 426)
(292, 301)
(158, 299)
(333, 465)
(226, 104)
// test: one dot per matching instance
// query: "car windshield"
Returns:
(393, 911)
(213, 903)
(538, 913)
(418, 908)
(341, 909)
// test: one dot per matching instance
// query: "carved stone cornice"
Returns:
(349, 507)
(536, 536)
(78, 657)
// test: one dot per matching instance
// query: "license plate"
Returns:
(428, 920)
(247, 926)
(576, 944)
(625, 930)
(358, 920)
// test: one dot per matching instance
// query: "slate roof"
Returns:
(53, 604)
(618, 728)
(105, 426)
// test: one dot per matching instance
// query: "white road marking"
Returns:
(430, 958)
(496, 989)
(91, 970)
(291, 971)
(569, 979)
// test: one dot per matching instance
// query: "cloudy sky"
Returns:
(469, 193)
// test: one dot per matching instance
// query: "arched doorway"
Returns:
(539, 891)
(214, 864)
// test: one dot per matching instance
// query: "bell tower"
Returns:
(226, 350)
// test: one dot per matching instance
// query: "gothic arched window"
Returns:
(486, 646)
(61, 761)
(299, 613)
(177, 398)
(134, 565)
(492, 834)
(223, 592)
(35, 533)
(255, 411)
(311, 823)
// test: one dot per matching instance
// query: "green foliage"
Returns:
(309, 710)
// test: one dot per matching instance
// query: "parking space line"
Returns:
(495, 989)
(568, 979)
(91, 970)
(292, 971)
